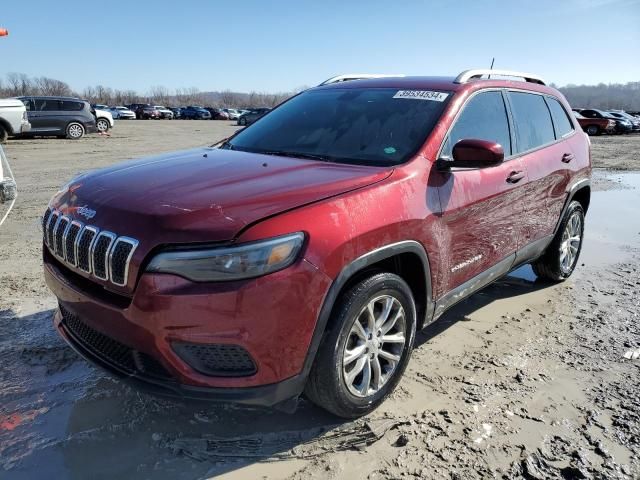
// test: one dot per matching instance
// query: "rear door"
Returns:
(545, 154)
(48, 116)
(481, 208)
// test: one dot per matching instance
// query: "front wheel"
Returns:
(366, 349)
(242, 121)
(75, 131)
(4, 136)
(561, 257)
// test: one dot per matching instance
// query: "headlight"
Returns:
(247, 260)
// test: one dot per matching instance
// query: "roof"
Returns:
(437, 83)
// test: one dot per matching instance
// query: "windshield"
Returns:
(372, 126)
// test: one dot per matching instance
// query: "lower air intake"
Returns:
(217, 360)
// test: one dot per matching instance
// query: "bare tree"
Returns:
(159, 94)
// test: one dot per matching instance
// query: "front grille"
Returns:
(125, 358)
(102, 254)
(226, 360)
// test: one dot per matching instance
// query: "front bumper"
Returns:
(25, 127)
(272, 318)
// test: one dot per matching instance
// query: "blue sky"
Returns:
(279, 45)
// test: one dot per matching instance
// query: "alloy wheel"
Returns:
(75, 131)
(374, 346)
(570, 245)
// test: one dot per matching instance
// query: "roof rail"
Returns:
(475, 74)
(357, 76)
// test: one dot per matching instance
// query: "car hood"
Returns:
(204, 194)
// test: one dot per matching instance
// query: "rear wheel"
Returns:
(75, 131)
(103, 125)
(593, 130)
(561, 256)
(4, 135)
(364, 354)
(242, 121)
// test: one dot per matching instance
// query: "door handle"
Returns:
(567, 157)
(515, 176)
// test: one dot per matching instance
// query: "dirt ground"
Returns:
(522, 380)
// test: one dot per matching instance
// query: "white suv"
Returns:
(13, 118)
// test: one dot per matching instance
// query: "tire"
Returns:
(329, 385)
(242, 121)
(561, 256)
(75, 131)
(593, 130)
(4, 135)
(103, 125)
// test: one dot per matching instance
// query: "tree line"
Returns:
(20, 84)
(624, 96)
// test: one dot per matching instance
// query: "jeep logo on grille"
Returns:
(86, 212)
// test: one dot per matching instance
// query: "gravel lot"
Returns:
(522, 380)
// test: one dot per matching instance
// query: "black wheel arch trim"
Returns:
(347, 273)
(571, 193)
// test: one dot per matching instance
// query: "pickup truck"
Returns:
(13, 119)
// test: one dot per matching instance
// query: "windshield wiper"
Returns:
(310, 156)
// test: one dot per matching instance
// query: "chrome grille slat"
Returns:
(70, 241)
(119, 267)
(85, 243)
(53, 221)
(58, 235)
(101, 254)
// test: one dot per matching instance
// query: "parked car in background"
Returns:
(176, 112)
(622, 124)
(104, 120)
(595, 126)
(232, 112)
(194, 113)
(635, 122)
(164, 112)
(260, 283)
(217, 114)
(99, 106)
(122, 113)
(59, 116)
(13, 119)
(252, 116)
(147, 112)
(8, 187)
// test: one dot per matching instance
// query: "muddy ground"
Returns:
(522, 380)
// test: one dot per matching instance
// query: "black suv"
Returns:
(59, 116)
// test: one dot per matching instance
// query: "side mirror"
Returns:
(474, 153)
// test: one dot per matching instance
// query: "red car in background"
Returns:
(301, 255)
(595, 126)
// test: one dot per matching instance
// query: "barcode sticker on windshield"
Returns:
(421, 95)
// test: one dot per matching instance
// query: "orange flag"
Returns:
(4, 32)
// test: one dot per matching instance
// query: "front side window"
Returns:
(532, 120)
(561, 121)
(372, 126)
(484, 118)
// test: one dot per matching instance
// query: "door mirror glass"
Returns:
(474, 153)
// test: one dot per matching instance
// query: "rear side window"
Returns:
(71, 106)
(561, 121)
(484, 118)
(532, 119)
(47, 105)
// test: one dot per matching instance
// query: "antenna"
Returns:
(491, 67)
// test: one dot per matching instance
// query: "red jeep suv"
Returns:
(301, 255)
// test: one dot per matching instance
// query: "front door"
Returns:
(481, 208)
